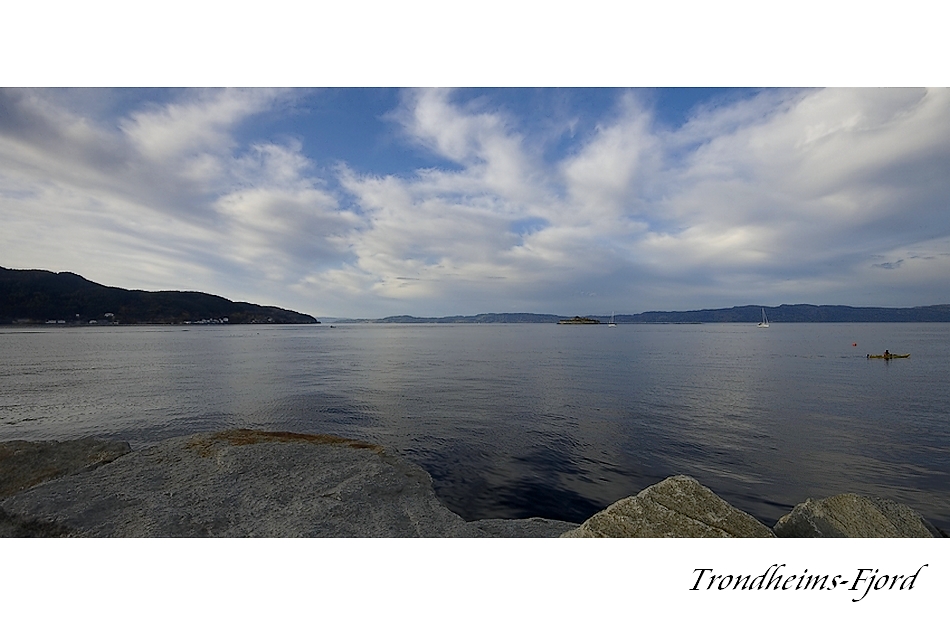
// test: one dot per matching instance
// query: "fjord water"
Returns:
(519, 420)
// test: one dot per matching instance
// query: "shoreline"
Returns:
(243, 483)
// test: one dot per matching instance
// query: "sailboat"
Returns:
(765, 320)
(611, 324)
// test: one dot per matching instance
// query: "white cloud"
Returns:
(804, 190)
(484, 143)
(198, 125)
(161, 198)
(607, 179)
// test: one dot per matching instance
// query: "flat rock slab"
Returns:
(244, 483)
(853, 516)
(677, 507)
(24, 464)
(534, 527)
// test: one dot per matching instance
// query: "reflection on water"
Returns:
(528, 420)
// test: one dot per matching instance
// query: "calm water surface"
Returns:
(518, 420)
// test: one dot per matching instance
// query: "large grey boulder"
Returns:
(24, 464)
(853, 516)
(244, 483)
(677, 507)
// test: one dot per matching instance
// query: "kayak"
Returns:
(888, 356)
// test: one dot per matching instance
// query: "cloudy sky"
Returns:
(371, 202)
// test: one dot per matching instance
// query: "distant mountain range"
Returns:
(36, 296)
(481, 318)
(786, 313)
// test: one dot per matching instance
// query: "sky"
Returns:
(342, 163)
(368, 202)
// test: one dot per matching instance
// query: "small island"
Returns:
(578, 321)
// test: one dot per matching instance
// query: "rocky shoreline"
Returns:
(250, 483)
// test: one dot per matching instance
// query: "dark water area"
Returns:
(520, 420)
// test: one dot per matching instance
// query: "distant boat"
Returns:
(611, 324)
(888, 355)
(765, 320)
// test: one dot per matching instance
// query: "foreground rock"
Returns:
(853, 516)
(535, 527)
(677, 507)
(250, 483)
(27, 463)
(245, 483)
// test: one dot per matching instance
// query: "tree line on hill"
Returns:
(37, 296)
